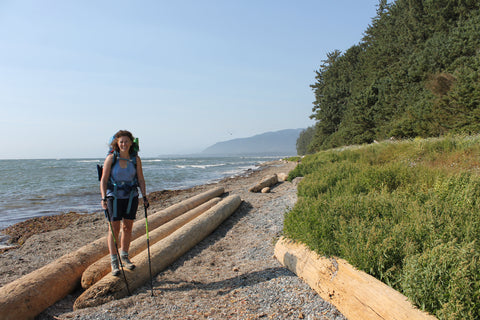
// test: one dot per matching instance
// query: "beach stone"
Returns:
(282, 176)
(297, 180)
(266, 190)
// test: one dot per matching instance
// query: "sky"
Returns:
(180, 75)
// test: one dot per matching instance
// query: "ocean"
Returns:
(33, 188)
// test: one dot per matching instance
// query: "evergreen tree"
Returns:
(304, 140)
(414, 73)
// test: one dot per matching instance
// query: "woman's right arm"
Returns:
(107, 167)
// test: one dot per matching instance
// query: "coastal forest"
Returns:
(391, 172)
(415, 73)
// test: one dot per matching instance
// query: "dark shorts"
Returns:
(122, 206)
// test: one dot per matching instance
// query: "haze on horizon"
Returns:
(180, 75)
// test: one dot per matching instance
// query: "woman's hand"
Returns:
(146, 204)
(104, 204)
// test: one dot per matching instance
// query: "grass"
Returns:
(406, 212)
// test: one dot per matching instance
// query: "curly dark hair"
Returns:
(118, 135)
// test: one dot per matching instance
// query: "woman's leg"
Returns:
(127, 226)
(115, 225)
(116, 230)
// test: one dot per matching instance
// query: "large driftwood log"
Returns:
(356, 294)
(174, 211)
(266, 182)
(100, 268)
(163, 253)
(29, 295)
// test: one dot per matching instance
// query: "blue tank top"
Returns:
(124, 178)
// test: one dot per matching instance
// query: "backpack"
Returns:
(133, 156)
(112, 185)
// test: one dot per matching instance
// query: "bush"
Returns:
(445, 280)
(392, 208)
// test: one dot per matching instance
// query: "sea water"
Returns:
(33, 188)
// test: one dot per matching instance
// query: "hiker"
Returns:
(121, 177)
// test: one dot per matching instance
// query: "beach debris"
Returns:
(100, 268)
(163, 253)
(29, 295)
(297, 180)
(21, 231)
(356, 294)
(282, 176)
(266, 182)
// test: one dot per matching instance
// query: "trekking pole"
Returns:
(118, 254)
(148, 249)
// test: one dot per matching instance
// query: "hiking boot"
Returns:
(115, 269)
(126, 262)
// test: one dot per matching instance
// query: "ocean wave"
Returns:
(199, 166)
(204, 166)
(72, 184)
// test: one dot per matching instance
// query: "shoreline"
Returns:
(71, 185)
(230, 274)
(21, 233)
(16, 234)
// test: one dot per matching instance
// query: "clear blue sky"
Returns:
(181, 75)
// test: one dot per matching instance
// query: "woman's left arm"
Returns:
(141, 179)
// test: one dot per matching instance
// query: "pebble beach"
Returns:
(231, 274)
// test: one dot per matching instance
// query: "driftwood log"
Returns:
(266, 182)
(29, 295)
(174, 211)
(162, 254)
(100, 268)
(282, 177)
(356, 294)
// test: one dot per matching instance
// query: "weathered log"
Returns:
(356, 294)
(266, 182)
(174, 211)
(29, 295)
(282, 176)
(163, 253)
(100, 268)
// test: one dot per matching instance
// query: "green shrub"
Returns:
(445, 280)
(386, 208)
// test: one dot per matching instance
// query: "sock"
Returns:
(123, 254)
(113, 258)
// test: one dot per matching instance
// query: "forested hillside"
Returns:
(415, 73)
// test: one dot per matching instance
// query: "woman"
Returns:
(122, 175)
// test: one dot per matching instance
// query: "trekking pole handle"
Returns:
(146, 204)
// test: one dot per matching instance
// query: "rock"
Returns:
(297, 180)
(282, 176)
(266, 190)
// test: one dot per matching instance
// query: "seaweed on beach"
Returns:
(20, 232)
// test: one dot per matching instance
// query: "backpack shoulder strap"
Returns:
(115, 157)
(133, 159)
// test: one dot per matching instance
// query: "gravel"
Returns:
(231, 274)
